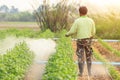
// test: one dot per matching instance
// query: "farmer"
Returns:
(84, 29)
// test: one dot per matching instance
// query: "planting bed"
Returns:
(99, 72)
(106, 53)
(115, 45)
(110, 55)
(41, 53)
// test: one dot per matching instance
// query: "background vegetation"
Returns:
(62, 15)
(107, 25)
(53, 17)
(14, 14)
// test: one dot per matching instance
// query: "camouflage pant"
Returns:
(84, 50)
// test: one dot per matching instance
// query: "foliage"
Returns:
(60, 34)
(21, 16)
(5, 9)
(107, 25)
(13, 14)
(2, 34)
(53, 17)
(14, 63)
(26, 33)
(61, 65)
(47, 34)
(17, 33)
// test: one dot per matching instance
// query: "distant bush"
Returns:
(54, 17)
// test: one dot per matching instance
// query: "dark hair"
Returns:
(83, 10)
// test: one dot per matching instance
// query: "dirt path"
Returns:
(99, 72)
(35, 72)
(42, 49)
(106, 53)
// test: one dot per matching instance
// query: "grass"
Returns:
(107, 25)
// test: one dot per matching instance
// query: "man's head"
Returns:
(83, 10)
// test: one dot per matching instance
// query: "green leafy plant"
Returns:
(61, 65)
(26, 33)
(47, 34)
(15, 62)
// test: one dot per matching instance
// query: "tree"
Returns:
(13, 10)
(53, 17)
(4, 9)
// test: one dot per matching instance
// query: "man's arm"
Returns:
(72, 30)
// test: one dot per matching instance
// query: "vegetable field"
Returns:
(19, 62)
(39, 50)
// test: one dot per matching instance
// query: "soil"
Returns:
(35, 72)
(42, 53)
(115, 45)
(106, 53)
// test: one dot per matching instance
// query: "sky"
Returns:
(22, 5)
(26, 5)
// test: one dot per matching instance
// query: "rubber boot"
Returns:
(89, 68)
(81, 67)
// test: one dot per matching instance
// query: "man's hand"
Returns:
(66, 35)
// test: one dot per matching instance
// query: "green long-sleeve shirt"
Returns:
(83, 27)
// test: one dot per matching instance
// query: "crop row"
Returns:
(107, 46)
(15, 62)
(26, 33)
(113, 72)
(30, 33)
(61, 65)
